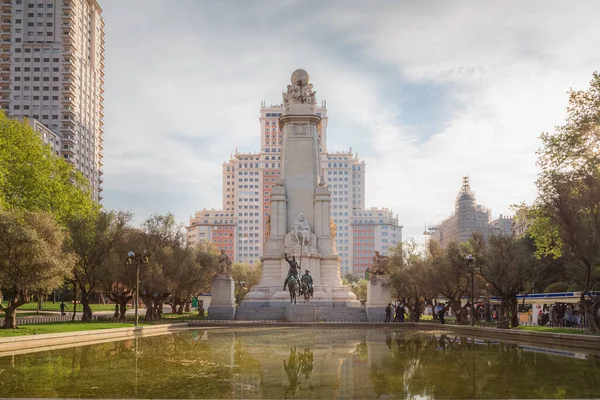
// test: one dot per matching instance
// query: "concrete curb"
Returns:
(52, 340)
(34, 343)
(561, 340)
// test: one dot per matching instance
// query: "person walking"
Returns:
(62, 308)
(399, 317)
(442, 313)
(388, 312)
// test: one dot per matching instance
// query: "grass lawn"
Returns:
(50, 306)
(551, 330)
(60, 327)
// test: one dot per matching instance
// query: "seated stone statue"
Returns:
(301, 230)
(224, 263)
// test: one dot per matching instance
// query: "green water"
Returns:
(301, 363)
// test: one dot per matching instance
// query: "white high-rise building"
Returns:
(248, 179)
(52, 70)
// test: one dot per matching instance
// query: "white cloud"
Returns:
(184, 87)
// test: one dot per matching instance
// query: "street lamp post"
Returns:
(141, 258)
(470, 260)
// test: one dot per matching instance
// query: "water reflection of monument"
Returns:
(298, 365)
(316, 366)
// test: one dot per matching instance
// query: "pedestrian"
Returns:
(399, 313)
(402, 311)
(388, 312)
(442, 314)
(62, 308)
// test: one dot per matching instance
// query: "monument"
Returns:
(300, 222)
(222, 302)
(378, 289)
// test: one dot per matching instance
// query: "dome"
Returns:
(300, 75)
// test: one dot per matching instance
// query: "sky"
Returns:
(424, 92)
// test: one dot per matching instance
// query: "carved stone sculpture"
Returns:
(380, 264)
(301, 230)
(268, 228)
(224, 264)
(300, 91)
(333, 228)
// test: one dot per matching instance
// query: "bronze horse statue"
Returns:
(293, 286)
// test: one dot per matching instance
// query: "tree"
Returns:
(93, 238)
(245, 276)
(31, 257)
(509, 267)
(119, 281)
(566, 212)
(32, 178)
(411, 277)
(161, 236)
(451, 275)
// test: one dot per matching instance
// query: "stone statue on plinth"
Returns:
(224, 264)
(300, 91)
(301, 230)
(380, 264)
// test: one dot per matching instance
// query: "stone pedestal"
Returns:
(300, 313)
(222, 302)
(378, 297)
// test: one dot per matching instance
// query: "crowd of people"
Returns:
(560, 314)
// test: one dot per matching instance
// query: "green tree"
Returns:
(93, 238)
(411, 277)
(161, 236)
(245, 276)
(509, 267)
(32, 178)
(566, 212)
(32, 258)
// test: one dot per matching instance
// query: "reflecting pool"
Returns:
(302, 363)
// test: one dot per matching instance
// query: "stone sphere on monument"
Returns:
(300, 75)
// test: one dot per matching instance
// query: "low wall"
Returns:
(34, 343)
(27, 344)
(579, 341)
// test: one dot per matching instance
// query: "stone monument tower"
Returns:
(300, 215)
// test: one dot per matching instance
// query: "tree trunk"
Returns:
(116, 314)
(10, 317)
(39, 303)
(123, 308)
(514, 322)
(74, 301)
(591, 310)
(148, 301)
(502, 315)
(187, 306)
(180, 309)
(85, 302)
(201, 308)
(10, 312)
(173, 308)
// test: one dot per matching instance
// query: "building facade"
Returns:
(372, 229)
(214, 226)
(468, 218)
(248, 179)
(52, 70)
